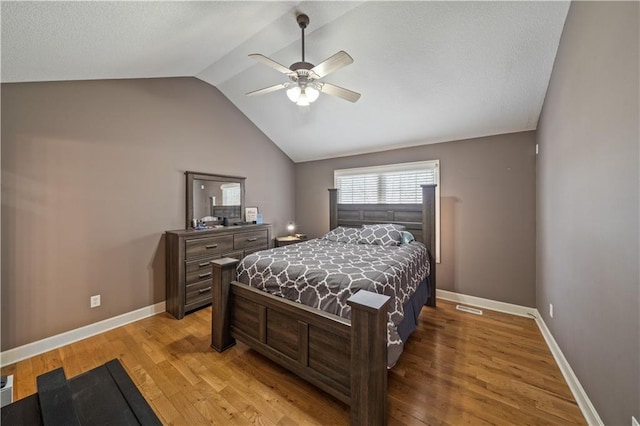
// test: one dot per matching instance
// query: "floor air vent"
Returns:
(468, 309)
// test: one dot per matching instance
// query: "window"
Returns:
(230, 194)
(390, 184)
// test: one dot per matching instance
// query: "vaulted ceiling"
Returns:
(427, 71)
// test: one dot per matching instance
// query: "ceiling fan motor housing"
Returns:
(301, 66)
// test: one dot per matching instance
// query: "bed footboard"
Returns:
(347, 359)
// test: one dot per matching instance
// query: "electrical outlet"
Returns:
(551, 310)
(94, 301)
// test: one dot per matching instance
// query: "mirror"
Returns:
(211, 198)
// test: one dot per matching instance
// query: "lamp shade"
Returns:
(303, 96)
(294, 93)
(312, 93)
(303, 100)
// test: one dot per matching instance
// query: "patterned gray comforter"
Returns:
(324, 274)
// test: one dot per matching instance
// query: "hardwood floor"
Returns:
(457, 368)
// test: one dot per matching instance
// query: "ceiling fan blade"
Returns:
(334, 63)
(267, 89)
(333, 90)
(271, 63)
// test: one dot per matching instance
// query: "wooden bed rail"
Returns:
(368, 358)
(224, 271)
(347, 359)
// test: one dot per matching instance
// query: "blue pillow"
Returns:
(407, 237)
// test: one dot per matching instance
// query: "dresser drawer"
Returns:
(248, 240)
(198, 270)
(208, 246)
(198, 292)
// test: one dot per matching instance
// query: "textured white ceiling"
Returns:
(428, 71)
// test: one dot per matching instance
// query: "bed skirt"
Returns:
(411, 313)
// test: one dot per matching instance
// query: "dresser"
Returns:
(189, 253)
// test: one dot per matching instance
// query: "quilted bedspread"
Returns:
(324, 274)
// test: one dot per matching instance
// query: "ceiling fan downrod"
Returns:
(303, 21)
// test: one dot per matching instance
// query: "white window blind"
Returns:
(390, 184)
(230, 194)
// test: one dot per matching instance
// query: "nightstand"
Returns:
(285, 241)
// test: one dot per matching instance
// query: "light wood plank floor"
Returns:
(457, 368)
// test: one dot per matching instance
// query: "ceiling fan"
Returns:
(304, 86)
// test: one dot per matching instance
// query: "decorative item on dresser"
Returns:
(189, 254)
(346, 358)
(251, 214)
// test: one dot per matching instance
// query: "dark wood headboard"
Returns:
(419, 219)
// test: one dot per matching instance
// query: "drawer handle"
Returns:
(204, 275)
(252, 239)
(203, 264)
(211, 246)
(204, 290)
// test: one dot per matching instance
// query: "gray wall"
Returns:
(487, 210)
(588, 205)
(93, 173)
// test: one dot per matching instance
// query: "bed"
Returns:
(346, 348)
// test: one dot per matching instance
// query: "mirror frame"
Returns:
(191, 176)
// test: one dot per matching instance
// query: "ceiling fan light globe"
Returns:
(294, 93)
(303, 100)
(311, 93)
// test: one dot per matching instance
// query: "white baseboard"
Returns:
(41, 346)
(587, 408)
(492, 305)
